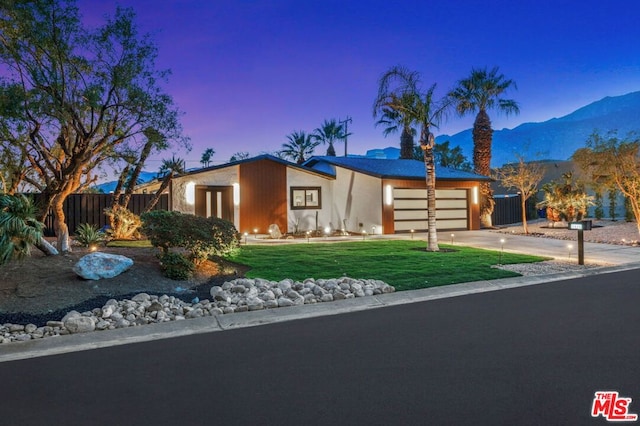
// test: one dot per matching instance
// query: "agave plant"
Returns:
(19, 228)
(89, 235)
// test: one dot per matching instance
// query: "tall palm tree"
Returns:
(299, 147)
(478, 93)
(205, 160)
(328, 133)
(395, 121)
(408, 100)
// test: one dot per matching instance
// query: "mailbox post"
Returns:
(583, 225)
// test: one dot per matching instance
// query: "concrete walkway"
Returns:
(621, 257)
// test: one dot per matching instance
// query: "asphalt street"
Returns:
(525, 356)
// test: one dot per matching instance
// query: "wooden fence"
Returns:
(508, 210)
(89, 208)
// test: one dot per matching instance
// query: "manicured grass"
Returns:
(403, 264)
(129, 243)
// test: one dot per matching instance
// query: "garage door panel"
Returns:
(451, 214)
(410, 204)
(451, 204)
(410, 214)
(409, 193)
(451, 193)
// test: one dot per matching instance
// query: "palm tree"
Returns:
(478, 93)
(299, 147)
(328, 133)
(168, 170)
(205, 160)
(416, 107)
(396, 121)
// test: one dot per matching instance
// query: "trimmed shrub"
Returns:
(176, 266)
(201, 237)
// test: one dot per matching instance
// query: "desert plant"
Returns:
(89, 235)
(565, 201)
(19, 228)
(125, 224)
(176, 266)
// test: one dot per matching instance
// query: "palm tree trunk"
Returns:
(427, 143)
(482, 138)
(406, 144)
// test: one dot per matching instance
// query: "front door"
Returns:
(216, 201)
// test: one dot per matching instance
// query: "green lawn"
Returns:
(403, 264)
(129, 243)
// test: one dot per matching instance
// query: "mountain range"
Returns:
(557, 138)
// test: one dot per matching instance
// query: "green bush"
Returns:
(201, 237)
(176, 266)
(88, 235)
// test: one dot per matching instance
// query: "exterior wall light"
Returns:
(190, 193)
(388, 195)
(236, 194)
(474, 195)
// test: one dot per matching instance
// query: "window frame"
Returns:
(306, 189)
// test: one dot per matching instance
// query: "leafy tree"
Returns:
(447, 157)
(615, 161)
(329, 133)
(401, 89)
(81, 96)
(524, 177)
(299, 147)
(205, 160)
(241, 155)
(478, 93)
(390, 108)
(613, 197)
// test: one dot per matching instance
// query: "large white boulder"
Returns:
(99, 265)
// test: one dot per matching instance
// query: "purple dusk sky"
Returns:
(248, 72)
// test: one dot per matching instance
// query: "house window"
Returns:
(305, 197)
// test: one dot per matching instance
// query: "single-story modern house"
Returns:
(354, 194)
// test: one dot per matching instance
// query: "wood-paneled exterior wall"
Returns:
(263, 196)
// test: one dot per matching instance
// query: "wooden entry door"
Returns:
(216, 201)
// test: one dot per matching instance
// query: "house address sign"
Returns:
(583, 225)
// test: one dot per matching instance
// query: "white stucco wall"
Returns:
(357, 198)
(222, 177)
(306, 218)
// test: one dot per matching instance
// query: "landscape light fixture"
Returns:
(255, 232)
(364, 235)
(308, 236)
(570, 248)
(452, 235)
(501, 250)
(412, 231)
(246, 234)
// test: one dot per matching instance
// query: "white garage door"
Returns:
(410, 209)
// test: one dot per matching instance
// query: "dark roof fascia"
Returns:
(259, 158)
(315, 160)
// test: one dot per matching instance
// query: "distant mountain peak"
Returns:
(557, 138)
